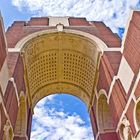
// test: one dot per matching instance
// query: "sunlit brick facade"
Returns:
(48, 55)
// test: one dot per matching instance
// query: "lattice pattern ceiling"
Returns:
(60, 59)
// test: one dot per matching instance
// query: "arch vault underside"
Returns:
(60, 63)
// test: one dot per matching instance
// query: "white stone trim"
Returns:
(15, 87)
(4, 76)
(129, 100)
(16, 50)
(97, 136)
(126, 30)
(111, 88)
(125, 74)
(53, 21)
(112, 49)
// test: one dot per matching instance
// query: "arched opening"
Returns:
(60, 62)
(105, 121)
(138, 114)
(61, 116)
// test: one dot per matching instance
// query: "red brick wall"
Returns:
(132, 42)
(20, 29)
(110, 38)
(2, 46)
(3, 121)
(20, 138)
(93, 122)
(19, 75)
(38, 21)
(29, 123)
(117, 101)
(11, 103)
(16, 68)
(108, 136)
(78, 22)
(114, 59)
(106, 74)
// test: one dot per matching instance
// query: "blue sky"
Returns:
(61, 117)
(68, 112)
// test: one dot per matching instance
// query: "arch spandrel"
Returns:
(61, 63)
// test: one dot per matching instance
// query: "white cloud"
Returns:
(48, 99)
(51, 124)
(113, 12)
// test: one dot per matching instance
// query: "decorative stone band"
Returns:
(14, 84)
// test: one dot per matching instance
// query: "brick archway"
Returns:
(73, 56)
(50, 62)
